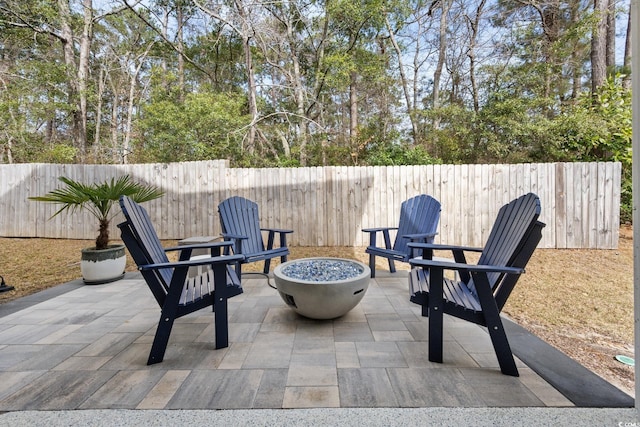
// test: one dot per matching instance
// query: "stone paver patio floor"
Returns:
(87, 349)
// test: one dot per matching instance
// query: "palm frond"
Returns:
(99, 198)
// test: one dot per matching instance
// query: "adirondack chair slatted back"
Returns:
(150, 250)
(239, 216)
(420, 214)
(513, 224)
(503, 289)
(418, 223)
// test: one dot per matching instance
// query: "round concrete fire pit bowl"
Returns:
(322, 288)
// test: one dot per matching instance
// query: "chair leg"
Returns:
(495, 326)
(161, 339)
(392, 266)
(387, 245)
(267, 265)
(219, 307)
(168, 315)
(372, 265)
(436, 321)
(502, 348)
(222, 325)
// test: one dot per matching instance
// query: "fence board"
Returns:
(330, 205)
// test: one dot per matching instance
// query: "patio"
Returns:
(79, 347)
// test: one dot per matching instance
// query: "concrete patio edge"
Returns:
(476, 417)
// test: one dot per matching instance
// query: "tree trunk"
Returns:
(403, 81)
(298, 89)
(7, 148)
(66, 37)
(180, 18)
(245, 33)
(599, 45)
(83, 74)
(103, 236)
(550, 20)
(471, 53)
(318, 83)
(626, 80)
(445, 5)
(611, 35)
(252, 96)
(576, 60)
(163, 59)
(127, 133)
(133, 81)
(96, 136)
(353, 106)
(115, 107)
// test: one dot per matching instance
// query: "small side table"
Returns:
(198, 253)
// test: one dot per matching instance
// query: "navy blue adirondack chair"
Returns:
(419, 217)
(241, 226)
(176, 293)
(480, 291)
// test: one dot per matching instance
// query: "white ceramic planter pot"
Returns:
(104, 265)
(322, 294)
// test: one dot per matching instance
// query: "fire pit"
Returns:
(322, 288)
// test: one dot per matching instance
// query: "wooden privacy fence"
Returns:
(328, 206)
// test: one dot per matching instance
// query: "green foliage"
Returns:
(58, 153)
(455, 139)
(607, 133)
(516, 127)
(98, 199)
(400, 154)
(611, 107)
(205, 126)
(33, 149)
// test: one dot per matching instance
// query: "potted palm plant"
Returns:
(102, 263)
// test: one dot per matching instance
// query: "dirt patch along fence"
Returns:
(329, 206)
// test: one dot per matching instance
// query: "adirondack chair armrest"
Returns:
(457, 251)
(414, 237)
(237, 242)
(443, 247)
(186, 250)
(234, 236)
(277, 230)
(272, 233)
(223, 259)
(373, 232)
(376, 229)
(198, 246)
(450, 265)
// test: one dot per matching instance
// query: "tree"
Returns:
(626, 80)
(295, 82)
(59, 25)
(548, 33)
(238, 17)
(473, 23)
(599, 45)
(444, 6)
